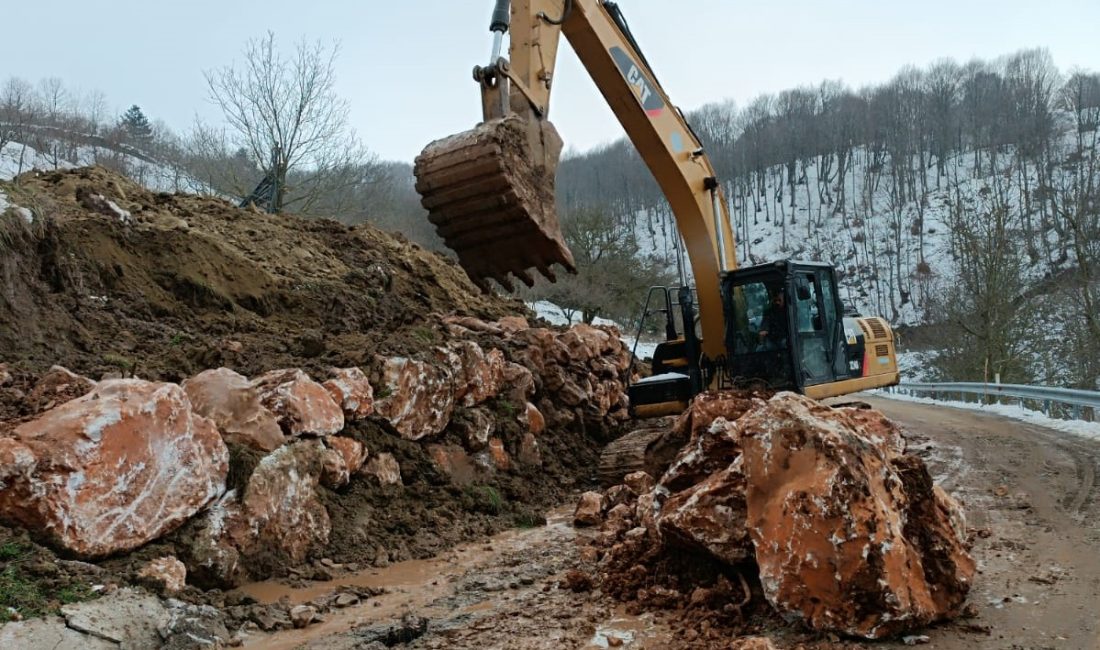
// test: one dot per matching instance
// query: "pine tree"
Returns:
(136, 126)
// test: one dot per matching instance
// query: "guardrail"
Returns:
(1054, 402)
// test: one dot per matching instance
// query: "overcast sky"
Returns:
(405, 66)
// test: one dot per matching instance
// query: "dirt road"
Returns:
(1030, 493)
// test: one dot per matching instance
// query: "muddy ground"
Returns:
(1031, 499)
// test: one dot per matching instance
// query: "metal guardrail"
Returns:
(1046, 396)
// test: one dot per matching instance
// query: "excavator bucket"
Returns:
(490, 194)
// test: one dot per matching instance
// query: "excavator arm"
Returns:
(496, 229)
(490, 193)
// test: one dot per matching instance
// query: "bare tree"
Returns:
(286, 114)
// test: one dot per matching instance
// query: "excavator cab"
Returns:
(786, 328)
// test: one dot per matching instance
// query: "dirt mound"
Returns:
(113, 278)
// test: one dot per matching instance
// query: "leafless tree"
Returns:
(284, 111)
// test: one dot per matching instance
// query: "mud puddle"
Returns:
(501, 592)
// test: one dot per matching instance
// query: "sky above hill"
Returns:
(405, 66)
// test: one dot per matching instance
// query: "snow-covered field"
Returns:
(1080, 428)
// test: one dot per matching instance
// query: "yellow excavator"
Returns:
(490, 194)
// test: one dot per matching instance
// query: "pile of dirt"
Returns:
(112, 278)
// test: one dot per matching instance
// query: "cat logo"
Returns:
(644, 90)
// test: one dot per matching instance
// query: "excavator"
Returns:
(490, 194)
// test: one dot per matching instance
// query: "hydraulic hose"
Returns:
(568, 9)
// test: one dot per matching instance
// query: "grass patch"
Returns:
(486, 499)
(21, 594)
(12, 550)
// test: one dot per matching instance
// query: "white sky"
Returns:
(405, 66)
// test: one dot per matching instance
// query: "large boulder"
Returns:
(302, 406)
(233, 403)
(845, 539)
(278, 519)
(416, 397)
(711, 449)
(115, 469)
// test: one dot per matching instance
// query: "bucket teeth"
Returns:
(490, 194)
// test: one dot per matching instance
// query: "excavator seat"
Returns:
(490, 194)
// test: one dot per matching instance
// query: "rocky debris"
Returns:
(126, 617)
(301, 405)
(476, 428)
(416, 397)
(193, 626)
(710, 517)
(834, 527)
(383, 468)
(352, 390)
(167, 574)
(5, 375)
(498, 456)
(233, 403)
(848, 535)
(57, 386)
(589, 511)
(639, 482)
(114, 469)
(529, 453)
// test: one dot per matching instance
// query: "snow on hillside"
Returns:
(18, 158)
(880, 249)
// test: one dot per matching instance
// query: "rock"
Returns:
(231, 401)
(639, 482)
(384, 469)
(168, 574)
(477, 373)
(846, 540)
(57, 386)
(753, 643)
(710, 517)
(498, 455)
(49, 633)
(17, 462)
(476, 428)
(534, 420)
(301, 405)
(193, 626)
(5, 375)
(351, 456)
(115, 469)
(416, 397)
(453, 461)
(303, 615)
(126, 617)
(875, 426)
(518, 383)
(710, 450)
(334, 470)
(513, 324)
(474, 324)
(350, 388)
(529, 453)
(645, 511)
(619, 494)
(589, 511)
(346, 600)
(279, 518)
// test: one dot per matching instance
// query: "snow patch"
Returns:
(1080, 428)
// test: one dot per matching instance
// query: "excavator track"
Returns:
(649, 449)
(490, 194)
